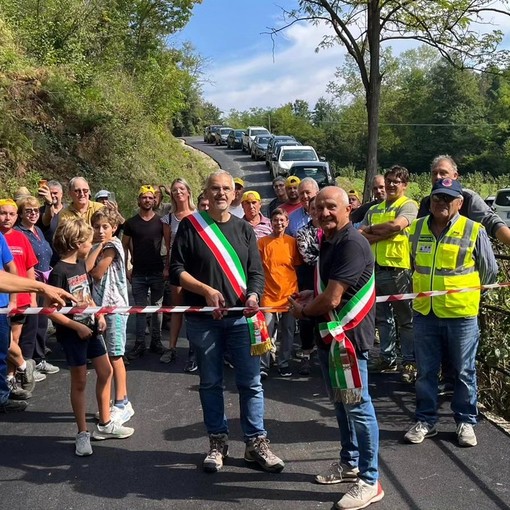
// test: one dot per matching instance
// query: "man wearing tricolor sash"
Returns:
(216, 261)
(343, 306)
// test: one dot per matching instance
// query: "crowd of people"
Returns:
(313, 264)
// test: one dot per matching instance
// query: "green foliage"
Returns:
(76, 100)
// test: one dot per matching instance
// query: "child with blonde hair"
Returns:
(81, 335)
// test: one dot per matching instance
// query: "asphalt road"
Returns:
(159, 466)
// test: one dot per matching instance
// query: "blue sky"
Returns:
(242, 71)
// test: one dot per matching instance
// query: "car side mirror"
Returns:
(322, 158)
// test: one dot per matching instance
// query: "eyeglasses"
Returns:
(81, 191)
(395, 182)
(28, 212)
(440, 197)
(221, 189)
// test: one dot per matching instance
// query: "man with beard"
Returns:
(142, 241)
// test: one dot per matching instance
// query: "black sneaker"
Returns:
(304, 369)
(284, 372)
(191, 366)
(157, 347)
(137, 351)
(17, 393)
(257, 450)
(26, 377)
(13, 406)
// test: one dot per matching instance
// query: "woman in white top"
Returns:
(182, 206)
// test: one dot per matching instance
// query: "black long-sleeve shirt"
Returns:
(190, 254)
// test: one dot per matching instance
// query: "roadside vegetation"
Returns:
(96, 89)
(90, 88)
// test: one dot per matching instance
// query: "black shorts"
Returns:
(17, 319)
(78, 351)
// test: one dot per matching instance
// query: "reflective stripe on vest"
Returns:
(443, 265)
(392, 252)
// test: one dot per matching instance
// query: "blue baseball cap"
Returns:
(447, 186)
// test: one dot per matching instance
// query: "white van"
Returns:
(502, 205)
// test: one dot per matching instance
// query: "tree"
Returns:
(362, 26)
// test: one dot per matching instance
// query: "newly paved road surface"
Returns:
(159, 466)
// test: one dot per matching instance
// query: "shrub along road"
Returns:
(159, 466)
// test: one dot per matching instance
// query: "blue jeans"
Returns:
(460, 339)
(140, 287)
(210, 339)
(359, 431)
(5, 340)
(397, 281)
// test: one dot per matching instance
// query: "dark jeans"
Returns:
(142, 287)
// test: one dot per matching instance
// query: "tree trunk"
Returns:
(373, 94)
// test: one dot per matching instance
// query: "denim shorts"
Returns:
(77, 351)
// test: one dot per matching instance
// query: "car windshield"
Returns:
(225, 131)
(317, 173)
(263, 139)
(239, 132)
(255, 132)
(503, 198)
(299, 155)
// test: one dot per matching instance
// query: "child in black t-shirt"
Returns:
(81, 335)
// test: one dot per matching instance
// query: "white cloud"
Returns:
(296, 70)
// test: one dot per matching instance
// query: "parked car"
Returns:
(502, 205)
(235, 139)
(220, 137)
(211, 130)
(259, 147)
(318, 170)
(250, 133)
(289, 154)
(277, 148)
(272, 142)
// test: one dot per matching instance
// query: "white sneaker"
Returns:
(337, 473)
(113, 430)
(419, 431)
(119, 415)
(46, 368)
(122, 415)
(360, 495)
(83, 447)
(466, 435)
(39, 376)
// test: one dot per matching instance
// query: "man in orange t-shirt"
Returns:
(280, 256)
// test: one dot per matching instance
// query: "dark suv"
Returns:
(270, 146)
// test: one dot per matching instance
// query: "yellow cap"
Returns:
(354, 193)
(238, 180)
(292, 181)
(250, 196)
(8, 201)
(146, 188)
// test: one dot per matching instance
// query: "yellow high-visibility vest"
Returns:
(392, 252)
(443, 265)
